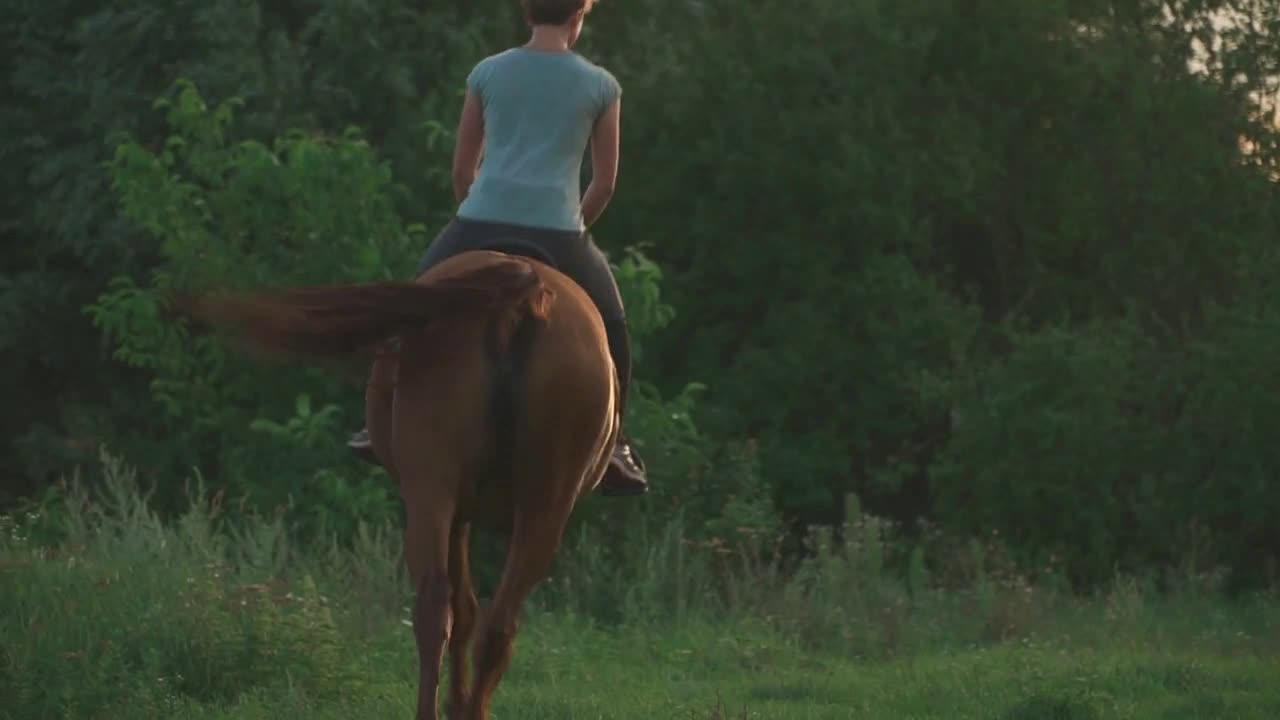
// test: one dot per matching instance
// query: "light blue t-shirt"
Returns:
(539, 112)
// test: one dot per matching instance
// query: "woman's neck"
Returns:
(549, 38)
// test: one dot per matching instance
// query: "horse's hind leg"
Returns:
(427, 531)
(532, 548)
(465, 609)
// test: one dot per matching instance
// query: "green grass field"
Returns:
(125, 617)
(565, 669)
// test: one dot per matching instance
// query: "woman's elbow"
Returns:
(605, 186)
(462, 181)
(462, 178)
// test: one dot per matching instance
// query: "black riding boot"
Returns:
(362, 446)
(625, 475)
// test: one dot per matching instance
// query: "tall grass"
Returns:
(106, 611)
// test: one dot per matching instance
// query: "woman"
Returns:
(534, 110)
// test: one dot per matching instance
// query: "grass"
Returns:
(569, 670)
(128, 617)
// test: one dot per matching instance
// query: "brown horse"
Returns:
(499, 408)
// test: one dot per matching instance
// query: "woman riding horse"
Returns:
(501, 406)
(533, 110)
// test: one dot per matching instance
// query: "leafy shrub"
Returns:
(1097, 449)
(243, 214)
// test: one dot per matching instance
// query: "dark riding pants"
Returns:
(574, 254)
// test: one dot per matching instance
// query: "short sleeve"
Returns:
(610, 89)
(478, 78)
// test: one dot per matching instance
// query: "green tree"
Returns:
(999, 265)
(83, 72)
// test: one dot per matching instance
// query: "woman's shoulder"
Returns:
(594, 66)
(602, 74)
(497, 58)
(487, 66)
(517, 58)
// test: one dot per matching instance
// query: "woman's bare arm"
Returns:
(605, 143)
(468, 146)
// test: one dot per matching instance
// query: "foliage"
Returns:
(1023, 218)
(243, 214)
(83, 72)
(992, 267)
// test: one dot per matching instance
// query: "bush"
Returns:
(1096, 449)
(238, 215)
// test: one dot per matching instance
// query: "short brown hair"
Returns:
(552, 12)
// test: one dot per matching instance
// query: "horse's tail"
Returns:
(341, 320)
